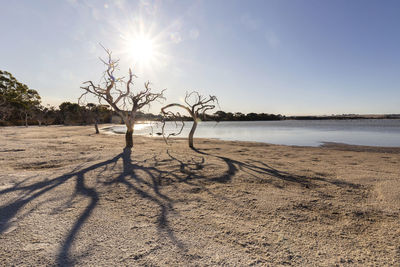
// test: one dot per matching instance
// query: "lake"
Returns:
(368, 132)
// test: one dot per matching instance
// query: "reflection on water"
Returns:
(290, 132)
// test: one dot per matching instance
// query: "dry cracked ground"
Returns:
(70, 197)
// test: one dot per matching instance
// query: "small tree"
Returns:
(71, 113)
(39, 114)
(52, 115)
(117, 92)
(96, 114)
(196, 105)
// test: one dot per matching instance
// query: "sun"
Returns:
(142, 47)
(141, 50)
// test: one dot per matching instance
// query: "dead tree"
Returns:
(196, 105)
(117, 92)
(91, 115)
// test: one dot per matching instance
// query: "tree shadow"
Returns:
(144, 178)
(133, 181)
(261, 171)
(10, 212)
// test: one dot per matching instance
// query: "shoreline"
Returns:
(331, 145)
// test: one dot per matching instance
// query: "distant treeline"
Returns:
(344, 117)
(238, 116)
(74, 114)
(69, 114)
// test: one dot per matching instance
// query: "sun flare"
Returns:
(141, 49)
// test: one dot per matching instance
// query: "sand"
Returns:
(70, 197)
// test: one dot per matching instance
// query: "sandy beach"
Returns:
(71, 197)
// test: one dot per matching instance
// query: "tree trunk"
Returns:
(96, 127)
(129, 137)
(192, 133)
(26, 119)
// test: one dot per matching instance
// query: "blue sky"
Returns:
(288, 57)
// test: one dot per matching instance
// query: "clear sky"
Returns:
(289, 57)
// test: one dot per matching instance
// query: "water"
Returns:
(290, 132)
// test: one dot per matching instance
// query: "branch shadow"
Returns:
(133, 181)
(261, 170)
(10, 212)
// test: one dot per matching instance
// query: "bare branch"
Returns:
(196, 109)
(118, 93)
(175, 117)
